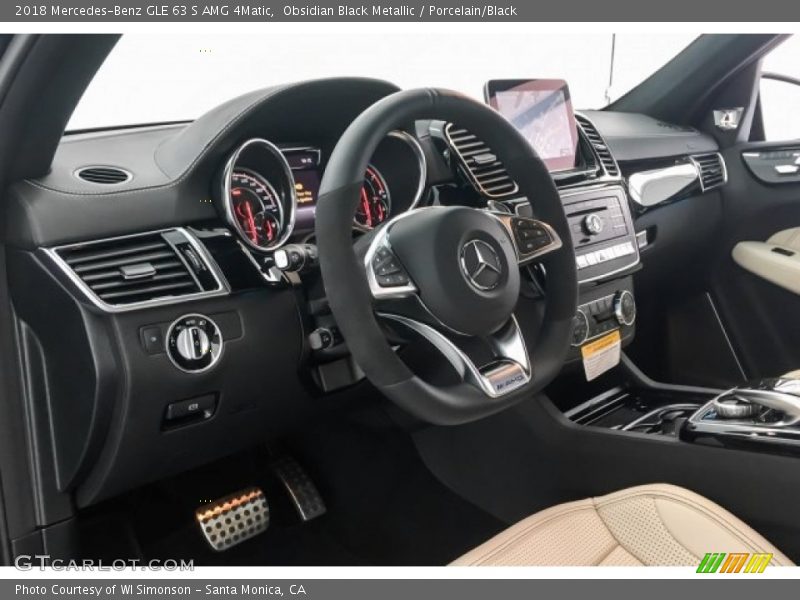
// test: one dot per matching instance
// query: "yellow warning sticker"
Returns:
(601, 355)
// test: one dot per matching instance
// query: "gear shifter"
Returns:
(765, 412)
(780, 395)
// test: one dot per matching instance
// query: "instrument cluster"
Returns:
(269, 191)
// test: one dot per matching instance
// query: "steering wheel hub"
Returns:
(463, 264)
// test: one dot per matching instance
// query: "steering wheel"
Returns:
(450, 274)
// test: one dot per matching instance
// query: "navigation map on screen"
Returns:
(542, 110)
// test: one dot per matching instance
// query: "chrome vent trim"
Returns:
(104, 175)
(713, 172)
(601, 149)
(486, 173)
(142, 270)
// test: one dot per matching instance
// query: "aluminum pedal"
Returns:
(233, 519)
(304, 494)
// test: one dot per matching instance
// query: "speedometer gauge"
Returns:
(374, 205)
(257, 198)
(256, 207)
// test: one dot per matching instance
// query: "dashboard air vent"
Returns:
(104, 175)
(486, 173)
(599, 145)
(126, 272)
(712, 170)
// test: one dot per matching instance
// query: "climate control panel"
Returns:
(603, 315)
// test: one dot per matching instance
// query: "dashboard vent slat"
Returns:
(599, 145)
(487, 174)
(104, 175)
(712, 170)
(123, 272)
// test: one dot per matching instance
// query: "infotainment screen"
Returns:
(542, 110)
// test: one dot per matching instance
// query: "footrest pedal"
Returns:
(304, 494)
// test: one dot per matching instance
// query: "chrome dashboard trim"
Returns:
(650, 188)
(511, 371)
(722, 164)
(470, 175)
(222, 285)
(288, 227)
(421, 162)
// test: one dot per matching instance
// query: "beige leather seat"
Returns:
(655, 524)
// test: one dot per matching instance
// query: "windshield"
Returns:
(160, 78)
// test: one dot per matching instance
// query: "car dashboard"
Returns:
(158, 330)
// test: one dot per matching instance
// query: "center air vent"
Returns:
(486, 173)
(127, 272)
(104, 175)
(599, 145)
(712, 170)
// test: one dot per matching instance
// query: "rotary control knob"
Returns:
(731, 406)
(625, 308)
(194, 343)
(593, 224)
(580, 328)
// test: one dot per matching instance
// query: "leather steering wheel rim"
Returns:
(343, 272)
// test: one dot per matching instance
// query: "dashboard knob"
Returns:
(580, 328)
(593, 224)
(625, 308)
(194, 343)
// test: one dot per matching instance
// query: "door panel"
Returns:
(754, 286)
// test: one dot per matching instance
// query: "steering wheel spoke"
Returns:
(386, 275)
(532, 239)
(509, 369)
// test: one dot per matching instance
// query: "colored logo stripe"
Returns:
(734, 562)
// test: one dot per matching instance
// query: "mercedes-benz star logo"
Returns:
(481, 265)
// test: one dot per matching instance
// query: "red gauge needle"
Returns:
(251, 223)
(365, 206)
(270, 234)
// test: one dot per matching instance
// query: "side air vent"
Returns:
(486, 173)
(712, 170)
(104, 175)
(133, 271)
(599, 145)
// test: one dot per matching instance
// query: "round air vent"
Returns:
(104, 175)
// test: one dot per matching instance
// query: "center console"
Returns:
(761, 416)
(595, 202)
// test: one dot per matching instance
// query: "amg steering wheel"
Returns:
(450, 274)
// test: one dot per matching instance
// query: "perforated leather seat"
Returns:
(655, 524)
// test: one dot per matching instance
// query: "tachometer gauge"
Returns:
(256, 208)
(257, 196)
(374, 205)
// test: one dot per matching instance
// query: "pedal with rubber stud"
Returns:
(305, 496)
